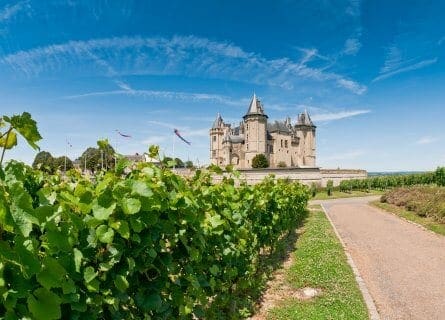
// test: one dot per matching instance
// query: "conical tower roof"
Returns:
(219, 122)
(255, 107)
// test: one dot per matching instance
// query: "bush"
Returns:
(260, 161)
(425, 201)
(314, 189)
(439, 176)
(282, 164)
(329, 187)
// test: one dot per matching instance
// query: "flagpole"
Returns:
(174, 163)
(115, 153)
(66, 150)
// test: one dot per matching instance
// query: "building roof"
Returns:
(233, 138)
(218, 122)
(255, 107)
(278, 126)
(305, 120)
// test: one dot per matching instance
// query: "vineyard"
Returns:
(388, 182)
(137, 242)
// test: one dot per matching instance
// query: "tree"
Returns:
(91, 159)
(44, 161)
(179, 163)
(189, 164)
(260, 161)
(96, 158)
(107, 154)
(59, 164)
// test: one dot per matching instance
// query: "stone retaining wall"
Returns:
(304, 175)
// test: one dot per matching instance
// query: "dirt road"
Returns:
(402, 265)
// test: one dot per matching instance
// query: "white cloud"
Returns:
(9, 11)
(395, 63)
(352, 46)
(173, 95)
(191, 56)
(354, 8)
(338, 115)
(411, 67)
(426, 140)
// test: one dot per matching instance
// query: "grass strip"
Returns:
(320, 262)
(339, 194)
(427, 222)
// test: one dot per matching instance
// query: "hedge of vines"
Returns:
(137, 243)
(388, 182)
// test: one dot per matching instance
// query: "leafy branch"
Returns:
(23, 125)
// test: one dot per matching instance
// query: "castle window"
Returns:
(213, 153)
(285, 143)
(247, 146)
(281, 143)
(214, 138)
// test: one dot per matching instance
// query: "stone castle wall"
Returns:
(304, 175)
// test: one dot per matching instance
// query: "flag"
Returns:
(123, 135)
(180, 137)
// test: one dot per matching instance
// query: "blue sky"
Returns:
(371, 74)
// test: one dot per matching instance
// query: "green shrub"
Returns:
(439, 176)
(314, 189)
(282, 164)
(260, 161)
(329, 187)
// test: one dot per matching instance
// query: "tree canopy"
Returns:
(260, 161)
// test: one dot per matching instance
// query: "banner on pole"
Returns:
(180, 137)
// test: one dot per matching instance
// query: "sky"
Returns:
(370, 73)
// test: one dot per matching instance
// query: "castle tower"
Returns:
(216, 141)
(255, 125)
(305, 130)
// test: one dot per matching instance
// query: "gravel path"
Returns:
(402, 265)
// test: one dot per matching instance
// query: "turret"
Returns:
(255, 124)
(305, 130)
(216, 140)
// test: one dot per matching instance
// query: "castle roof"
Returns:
(305, 120)
(255, 107)
(218, 122)
(278, 126)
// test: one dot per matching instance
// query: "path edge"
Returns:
(372, 309)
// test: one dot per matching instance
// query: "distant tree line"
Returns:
(46, 162)
(93, 159)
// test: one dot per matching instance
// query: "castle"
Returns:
(283, 144)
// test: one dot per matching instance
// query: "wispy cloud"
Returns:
(426, 140)
(337, 115)
(353, 8)
(352, 46)
(415, 66)
(159, 94)
(395, 64)
(191, 56)
(9, 11)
